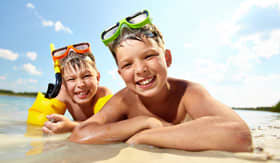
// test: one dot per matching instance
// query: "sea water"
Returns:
(20, 142)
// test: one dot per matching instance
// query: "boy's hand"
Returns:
(155, 123)
(58, 124)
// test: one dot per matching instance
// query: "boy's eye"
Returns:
(127, 65)
(149, 56)
(70, 79)
(87, 76)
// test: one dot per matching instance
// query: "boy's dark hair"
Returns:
(147, 31)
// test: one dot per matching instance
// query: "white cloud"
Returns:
(32, 81)
(227, 30)
(207, 71)
(254, 92)
(47, 23)
(187, 45)
(268, 48)
(57, 25)
(246, 6)
(250, 48)
(19, 81)
(31, 69)
(244, 61)
(8, 54)
(117, 83)
(30, 5)
(26, 81)
(239, 77)
(31, 55)
(2, 77)
(230, 28)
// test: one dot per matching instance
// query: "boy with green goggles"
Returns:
(155, 109)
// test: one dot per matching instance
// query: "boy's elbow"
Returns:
(82, 134)
(87, 133)
(77, 135)
(243, 138)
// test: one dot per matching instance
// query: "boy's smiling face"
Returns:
(143, 66)
(81, 83)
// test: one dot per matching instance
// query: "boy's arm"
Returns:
(101, 129)
(214, 127)
(94, 133)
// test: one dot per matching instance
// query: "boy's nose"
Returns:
(80, 83)
(141, 68)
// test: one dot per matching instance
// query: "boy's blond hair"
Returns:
(147, 31)
(74, 59)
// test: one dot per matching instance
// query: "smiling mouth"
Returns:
(146, 82)
(82, 94)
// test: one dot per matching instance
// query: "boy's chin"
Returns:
(81, 100)
(146, 93)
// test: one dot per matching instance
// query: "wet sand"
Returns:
(33, 147)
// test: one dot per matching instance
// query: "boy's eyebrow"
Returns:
(154, 50)
(149, 50)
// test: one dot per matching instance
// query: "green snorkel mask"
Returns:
(138, 20)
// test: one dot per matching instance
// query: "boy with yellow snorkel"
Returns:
(155, 109)
(80, 92)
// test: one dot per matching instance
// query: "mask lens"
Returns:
(110, 32)
(137, 18)
(82, 46)
(60, 52)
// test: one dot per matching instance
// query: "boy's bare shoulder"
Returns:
(125, 96)
(197, 89)
(188, 86)
(191, 89)
(103, 91)
(122, 100)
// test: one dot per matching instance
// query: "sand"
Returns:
(33, 147)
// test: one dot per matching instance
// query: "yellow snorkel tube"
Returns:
(46, 105)
(53, 90)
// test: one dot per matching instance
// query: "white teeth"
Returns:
(146, 81)
(82, 93)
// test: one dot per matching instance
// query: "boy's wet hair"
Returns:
(147, 31)
(77, 60)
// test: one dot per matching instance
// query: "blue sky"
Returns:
(231, 47)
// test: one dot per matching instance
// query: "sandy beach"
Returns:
(36, 148)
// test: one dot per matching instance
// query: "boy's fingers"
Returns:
(55, 117)
(47, 131)
(50, 126)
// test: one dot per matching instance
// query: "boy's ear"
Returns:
(168, 57)
(120, 73)
(98, 76)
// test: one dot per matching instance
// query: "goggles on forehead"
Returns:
(135, 21)
(63, 52)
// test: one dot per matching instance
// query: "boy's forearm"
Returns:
(73, 125)
(93, 133)
(208, 133)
